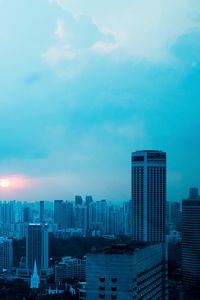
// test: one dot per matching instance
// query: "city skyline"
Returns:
(73, 109)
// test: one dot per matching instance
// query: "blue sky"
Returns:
(85, 83)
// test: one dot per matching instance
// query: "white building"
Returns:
(35, 279)
(70, 268)
(124, 272)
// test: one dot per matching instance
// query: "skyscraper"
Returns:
(148, 195)
(6, 254)
(37, 246)
(191, 242)
(58, 205)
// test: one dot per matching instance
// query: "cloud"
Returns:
(143, 29)
(55, 55)
(103, 47)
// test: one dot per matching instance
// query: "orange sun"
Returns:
(4, 183)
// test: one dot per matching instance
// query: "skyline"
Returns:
(80, 92)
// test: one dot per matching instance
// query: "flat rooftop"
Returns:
(124, 248)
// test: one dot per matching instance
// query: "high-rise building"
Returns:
(148, 195)
(26, 214)
(63, 214)
(80, 216)
(78, 200)
(58, 211)
(41, 211)
(6, 254)
(37, 246)
(88, 200)
(191, 242)
(175, 214)
(136, 271)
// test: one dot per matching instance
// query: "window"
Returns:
(102, 296)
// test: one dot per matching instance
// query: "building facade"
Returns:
(6, 254)
(191, 242)
(148, 195)
(70, 268)
(136, 271)
(37, 247)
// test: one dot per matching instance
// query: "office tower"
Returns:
(41, 211)
(102, 215)
(26, 214)
(191, 242)
(58, 212)
(148, 195)
(136, 271)
(80, 217)
(63, 214)
(175, 214)
(78, 200)
(6, 254)
(37, 246)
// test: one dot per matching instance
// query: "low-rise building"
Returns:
(128, 271)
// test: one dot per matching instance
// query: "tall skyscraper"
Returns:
(58, 205)
(37, 246)
(191, 242)
(148, 195)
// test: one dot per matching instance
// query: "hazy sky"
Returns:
(84, 83)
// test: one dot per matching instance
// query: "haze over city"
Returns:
(80, 91)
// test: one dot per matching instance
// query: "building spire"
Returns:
(35, 279)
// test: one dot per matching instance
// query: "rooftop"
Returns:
(127, 248)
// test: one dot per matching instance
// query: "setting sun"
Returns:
(4, 183)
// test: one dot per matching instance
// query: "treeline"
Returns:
(74, 246)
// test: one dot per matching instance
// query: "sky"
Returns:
(84, 83)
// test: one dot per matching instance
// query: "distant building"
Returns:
(70, 268)
(6, 254)
(191, 242)
(41, 211)
(63, 214)
(37, 247)
(137, 271)
(26, 214)
(78, 200)
(148, 195)
(58, 213)
(69, 232)
(80, 215)
(175, 214)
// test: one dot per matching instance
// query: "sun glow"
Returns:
(4, 183)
